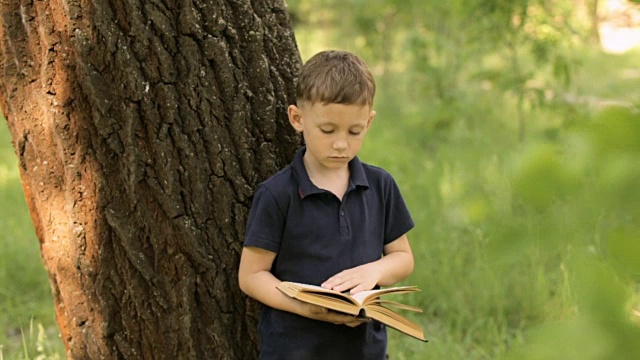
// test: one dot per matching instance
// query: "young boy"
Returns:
(326, 219)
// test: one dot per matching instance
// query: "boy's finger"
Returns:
(338, 318)
(354, 323)
(319, 309)
(335, 280)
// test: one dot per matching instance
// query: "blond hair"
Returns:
(335, 77)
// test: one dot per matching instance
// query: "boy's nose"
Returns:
(339, 145)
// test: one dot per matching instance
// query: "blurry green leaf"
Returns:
(620, 182)
(600, 330)
(600, 291)
(624, 248)
(617, 129)
(540, 177)
(540, 50)
(507, 241)
(571, 340)
(477, 209)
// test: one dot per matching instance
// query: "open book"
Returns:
(367, 304)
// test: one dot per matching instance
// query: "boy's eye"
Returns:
(326, 131)
(354, 132)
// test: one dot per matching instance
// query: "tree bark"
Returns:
(142, 128)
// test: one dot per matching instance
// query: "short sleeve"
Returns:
(266, 221)
(398, 220)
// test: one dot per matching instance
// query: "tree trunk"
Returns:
(594, 34)
(142, 128)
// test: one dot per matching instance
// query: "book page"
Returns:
(320, 290)
(395, 321)
(360, 298)
(364, 297)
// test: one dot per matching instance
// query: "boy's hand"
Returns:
(394, 266)
(360, 278)
(324, 314)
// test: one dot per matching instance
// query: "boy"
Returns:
(326, 219)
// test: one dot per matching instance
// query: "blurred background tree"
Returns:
(451, 49)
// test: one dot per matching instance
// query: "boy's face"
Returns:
(333, 133)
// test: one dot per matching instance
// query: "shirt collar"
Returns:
(306, 187)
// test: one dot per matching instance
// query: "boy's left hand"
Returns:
(360, 278)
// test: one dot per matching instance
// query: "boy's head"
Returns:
(334, 108)
(335, 77)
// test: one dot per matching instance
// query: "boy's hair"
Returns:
(335, 77)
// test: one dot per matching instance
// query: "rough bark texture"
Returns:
(142, 128)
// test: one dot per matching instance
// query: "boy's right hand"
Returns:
(323, 314)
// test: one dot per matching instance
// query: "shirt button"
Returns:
(342, 213)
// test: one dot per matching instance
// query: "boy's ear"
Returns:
(372, 115)
(295, 117)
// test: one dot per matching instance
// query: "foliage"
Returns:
(490, 117)
(590, 211)
(511, 44)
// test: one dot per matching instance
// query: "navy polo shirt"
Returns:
(315, 236)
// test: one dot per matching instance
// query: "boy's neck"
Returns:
(333, 180)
